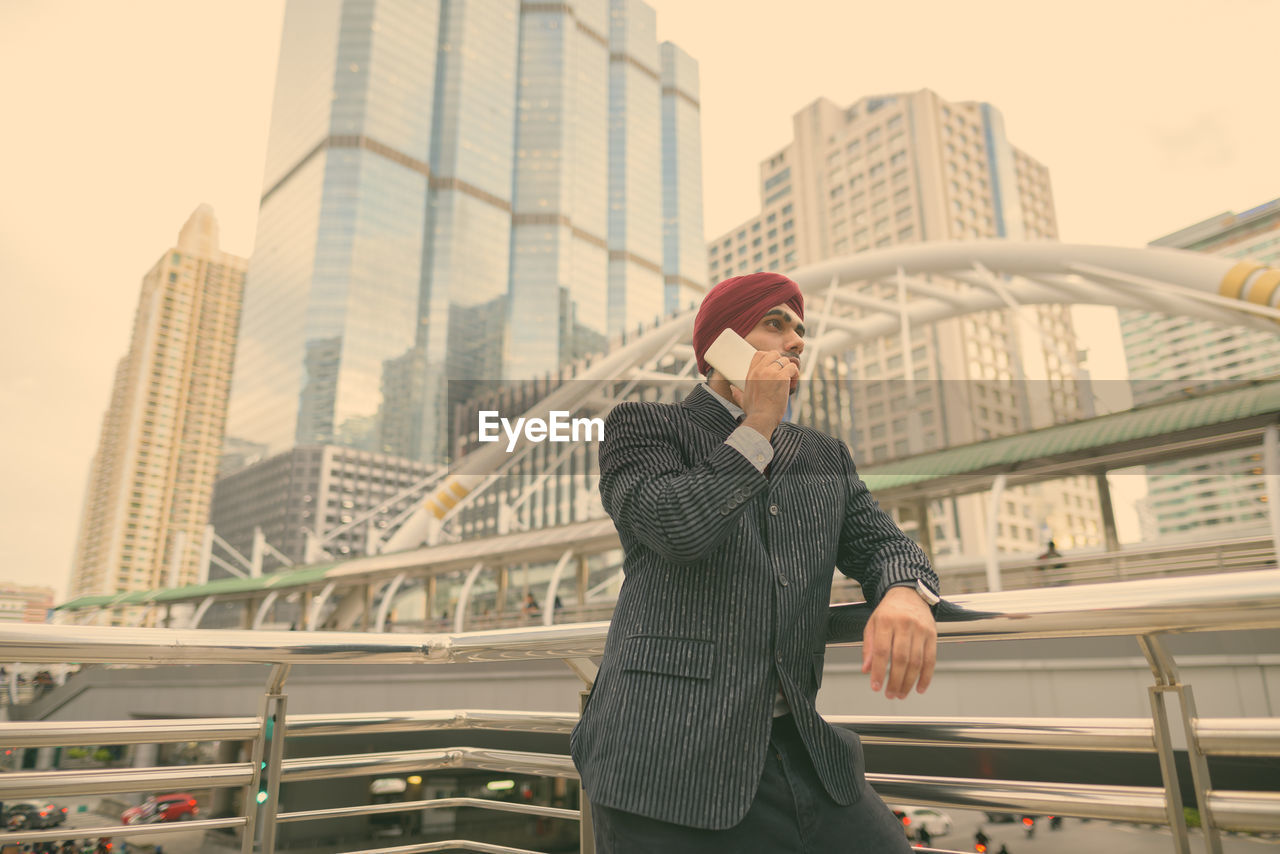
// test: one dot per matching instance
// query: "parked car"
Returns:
(178, 806)
(34, 814)
(936, 822)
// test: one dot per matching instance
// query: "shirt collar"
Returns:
(734, 409)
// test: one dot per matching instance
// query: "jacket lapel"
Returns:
(787, 441)
(709, 413)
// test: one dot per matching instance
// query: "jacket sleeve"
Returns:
(873, 549)
(680, 512)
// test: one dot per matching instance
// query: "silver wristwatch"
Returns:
(930, 598)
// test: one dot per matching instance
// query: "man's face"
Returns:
(779, 329)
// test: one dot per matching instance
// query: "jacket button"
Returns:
(773, 509)
(782, 579)
(777, 657)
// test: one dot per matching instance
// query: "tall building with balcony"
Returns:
(906, 168)
(150, 482)
(457, 192)
(1167, 355)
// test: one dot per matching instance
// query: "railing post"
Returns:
(586, 828)
(1167, 681)
(587, 669)
(262, 795)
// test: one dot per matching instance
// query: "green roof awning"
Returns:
(298, 577)
(1079, 440)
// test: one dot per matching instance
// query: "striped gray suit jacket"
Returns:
(726, 594)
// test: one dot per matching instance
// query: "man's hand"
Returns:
(901, 634)
(770, 380)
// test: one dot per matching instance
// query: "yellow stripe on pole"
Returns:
(458, 489)
(1264, 287)
(1233, 281)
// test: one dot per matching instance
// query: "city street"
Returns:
(180, 841)
(1076, 835)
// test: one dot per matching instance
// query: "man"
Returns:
(700, 734)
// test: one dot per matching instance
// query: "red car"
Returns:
(178, 806)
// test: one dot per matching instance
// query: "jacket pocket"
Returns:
(690, 658)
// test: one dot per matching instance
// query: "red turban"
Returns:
(738, 304)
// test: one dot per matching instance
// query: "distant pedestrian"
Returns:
(1004, 849)
(1050, 552)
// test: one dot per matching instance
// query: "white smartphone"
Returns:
(731, 356)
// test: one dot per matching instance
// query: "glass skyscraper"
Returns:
(458, 192)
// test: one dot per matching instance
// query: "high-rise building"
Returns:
(23, 604)
(907, 168)
(147, 499)
(311, 493)
(457, 192)
(1167, 355)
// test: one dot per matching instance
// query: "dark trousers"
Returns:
(791, 814)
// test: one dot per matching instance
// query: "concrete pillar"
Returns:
(993, 552)
(926, 530)
(146, 755)
(44, 759)
(584, 576)
(504, 581)
(1111, 540)
(1271, 474)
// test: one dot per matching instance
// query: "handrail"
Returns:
(438, 803)
(1145, 609)
(1232, 600)
(1217, 736)
(105, 781)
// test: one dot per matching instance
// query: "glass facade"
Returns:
(455, 192)
(684, 259)
(636, 284)
(560, 256)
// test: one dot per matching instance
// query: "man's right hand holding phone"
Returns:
(770, 380)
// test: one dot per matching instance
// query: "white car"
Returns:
(936, 822)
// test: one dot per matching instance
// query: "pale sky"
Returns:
(120, 118)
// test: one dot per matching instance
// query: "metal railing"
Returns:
(1146, 610)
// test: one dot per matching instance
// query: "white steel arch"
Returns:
(973, 277)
